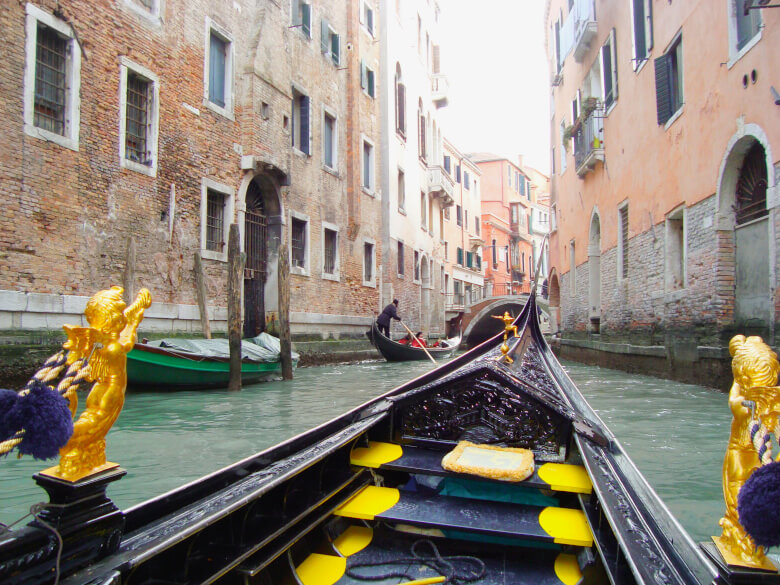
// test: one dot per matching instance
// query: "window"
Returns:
(330, 252)
(149, 9)
(675, 250)
(458, 215)
(368, 167)
(301, 17)
(564, 146)
(457, 173)
(446, 250)
(466, 219)
(623, 242)
(460, 256)
(329, 42)
(423, 210)
(369, 275)
(443, 280)
(301, 105)
(401, 190)
(416, 266)
(401, 268)
(329, 140)
(572, 270)
(669, 82)
(216, 215)
(609, 81)
(447, 163)
(299, 244)
(51, 79)
(469, 259)
(495, 255)
(642, 26)
(466, 184)
(138, 118)
(219, 71)
(477, 221)
(367, 18)
(367, 79)
(421, 123)
(743, 28)
(400, 103)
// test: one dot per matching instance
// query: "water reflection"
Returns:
(676, 433)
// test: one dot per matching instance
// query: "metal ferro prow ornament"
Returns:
(753, 397)
(111, 334)
(508, 320)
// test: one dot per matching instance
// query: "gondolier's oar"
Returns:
(418, 342)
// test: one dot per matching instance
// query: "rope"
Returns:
(445, 566)
(67, 387)
(761, 440)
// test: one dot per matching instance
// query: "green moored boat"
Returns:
(191, 364)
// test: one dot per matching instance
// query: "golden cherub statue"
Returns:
(508, 320)
(753, 396)
(110, 336)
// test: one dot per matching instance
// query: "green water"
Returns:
(676, 433)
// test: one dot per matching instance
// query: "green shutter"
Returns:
(663, 89)
(306, 18)
(335, 49)
(460, 256)
(324, 40)
(363, 75)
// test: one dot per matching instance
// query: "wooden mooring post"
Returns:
(285, 342)
(235, 273)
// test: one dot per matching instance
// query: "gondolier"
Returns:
(389, 312)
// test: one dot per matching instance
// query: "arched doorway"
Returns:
(743, 208)
(594, 274)
(262, 233)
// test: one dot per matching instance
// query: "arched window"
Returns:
(400, 102)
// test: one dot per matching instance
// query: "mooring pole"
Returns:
(200, 289)
(285, 342)
(235, 272)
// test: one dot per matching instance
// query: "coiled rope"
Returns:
(445, 566)
(67, 387)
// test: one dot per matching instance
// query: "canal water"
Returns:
(675, 433)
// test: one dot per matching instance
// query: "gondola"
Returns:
(366, 495)
(393, 351)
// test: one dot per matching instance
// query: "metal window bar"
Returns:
(330, 252)
(50, 66)
(215, 221)
(624, 241)
(254, 238)
(588, 136)
(136, 127)
(298, 237)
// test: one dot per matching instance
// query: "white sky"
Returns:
(493, 53)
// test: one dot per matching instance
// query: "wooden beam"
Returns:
(235, 273)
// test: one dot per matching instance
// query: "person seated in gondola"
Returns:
(419, 341)
(405, 340)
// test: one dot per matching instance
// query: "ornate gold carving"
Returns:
(508, 327)
(753, 394)
(110, 336)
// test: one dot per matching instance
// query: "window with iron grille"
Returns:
(331, 241)
(50, 80)
(368, 262)
(624, 242)
(137, 119)
(298, 243)
(400, 258)
(215, 221)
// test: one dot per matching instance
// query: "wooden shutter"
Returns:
(305, 124)
(649, 24)
(335, 49)
(460, 256)
(306, 18)
(613, 52)
(363, 75)
(663, 86)
(296, 12)
(324, 40)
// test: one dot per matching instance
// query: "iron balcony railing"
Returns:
(588, 142)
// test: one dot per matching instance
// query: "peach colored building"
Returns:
(665, 139)
(506, 224)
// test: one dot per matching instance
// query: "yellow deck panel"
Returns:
(567, 569)
(566, 526)
(369, 502)
(566, 478)
(375, 454)
(320, 569)
(353, 540)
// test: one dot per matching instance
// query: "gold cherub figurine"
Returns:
(508, 320)
(110, 336)
(754, 394)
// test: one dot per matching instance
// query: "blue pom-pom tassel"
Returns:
(7, 402)
(758, 505)
(46, 419)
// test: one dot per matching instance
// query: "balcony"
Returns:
(583, 23)
(589, 143)
(440, 89)
(441, 185)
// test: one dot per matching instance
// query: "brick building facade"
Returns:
(162, 123)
